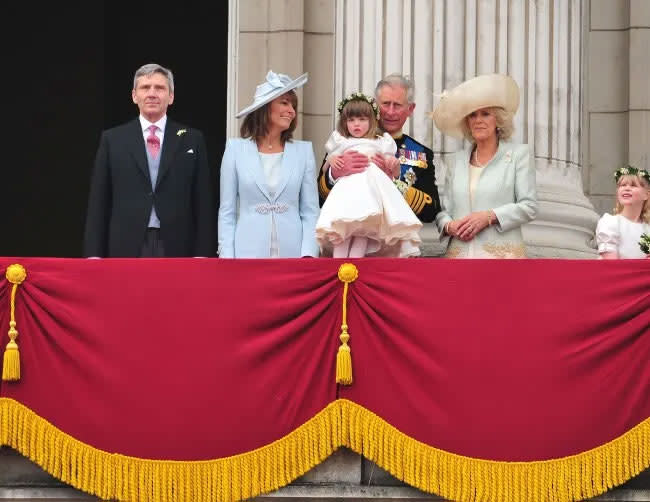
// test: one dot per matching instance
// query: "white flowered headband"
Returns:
(631, 171)
(359, 96)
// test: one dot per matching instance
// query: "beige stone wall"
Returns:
(292, 37)
(318, 105)
(617, 94)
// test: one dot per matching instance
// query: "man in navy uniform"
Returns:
(417, 181)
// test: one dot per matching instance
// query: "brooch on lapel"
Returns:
(508, 157)
(180, 132)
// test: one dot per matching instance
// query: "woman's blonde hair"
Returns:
(505, 126)
(640, 182)
(358, 108)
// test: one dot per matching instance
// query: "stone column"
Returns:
(441, 43)
(263, 35)
(286, 36)
(618, 94)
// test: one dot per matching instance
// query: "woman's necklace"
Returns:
(266, 143)
(476, 161)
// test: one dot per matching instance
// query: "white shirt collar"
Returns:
(160, 123)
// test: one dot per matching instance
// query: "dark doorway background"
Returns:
(69, 71)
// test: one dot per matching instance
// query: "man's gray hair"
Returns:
(397, 80)
(150, 69)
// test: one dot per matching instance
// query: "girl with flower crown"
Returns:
(619, 235)
(365, 214)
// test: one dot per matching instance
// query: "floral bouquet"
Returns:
(644, 243)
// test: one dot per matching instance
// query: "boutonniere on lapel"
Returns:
(508, 157)
(180, 132)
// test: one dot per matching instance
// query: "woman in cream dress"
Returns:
(491, 189)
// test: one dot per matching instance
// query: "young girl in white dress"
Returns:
(365, 214)
(619, 235)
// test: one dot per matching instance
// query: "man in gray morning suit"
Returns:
(151, 194)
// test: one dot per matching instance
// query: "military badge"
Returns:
(413, 158)
(422, 157)
(410, 177)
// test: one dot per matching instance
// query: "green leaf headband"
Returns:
(631, 171)
(359, 96)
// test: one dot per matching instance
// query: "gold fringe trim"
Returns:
(466, 479)
(111, 476)
(341, 423)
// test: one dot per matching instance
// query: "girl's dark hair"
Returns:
(358, 108)
(256, 123)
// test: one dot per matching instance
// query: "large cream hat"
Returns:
(479, 92)
(275, 85)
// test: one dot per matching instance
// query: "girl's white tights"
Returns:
(352, 247)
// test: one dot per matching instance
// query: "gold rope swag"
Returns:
(15, 274)
(347, 273)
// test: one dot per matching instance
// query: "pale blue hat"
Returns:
(275, 85)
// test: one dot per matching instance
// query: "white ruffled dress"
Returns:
(367, 204)
(615, 233)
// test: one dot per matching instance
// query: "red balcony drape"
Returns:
(475, 379)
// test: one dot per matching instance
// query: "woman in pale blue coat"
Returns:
(491, 189)
(269, 199)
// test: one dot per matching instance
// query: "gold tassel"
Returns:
(347, 273)
(11, 361)
(344, 359)
(15, 274)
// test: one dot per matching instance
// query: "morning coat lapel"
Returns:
(256, 166)
(289, 162)
(462, 170)
(501, 148)
(171, 141)
(465, 167)
(135, 146)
